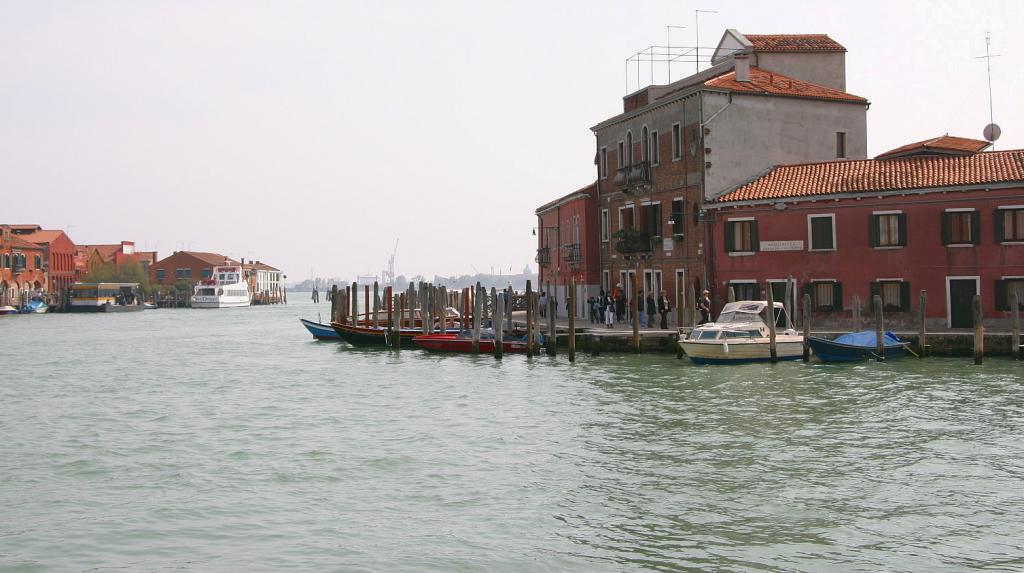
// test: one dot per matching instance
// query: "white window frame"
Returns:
(677, 145)
(605, 225)
(846, 153)
(1010, 208)
(620, 154)
(835, 245)
(741, 253)
(888, 247)
(603, 162)
(973, 230)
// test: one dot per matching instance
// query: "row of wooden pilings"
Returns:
(425, 307)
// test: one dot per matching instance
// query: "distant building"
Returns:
(186, 266)
(939, 215)
(265, 282)
(58, 253)
(567, 247)
(88, 257)
(766, 100)
(22, 267)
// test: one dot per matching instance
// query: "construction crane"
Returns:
(389, 275)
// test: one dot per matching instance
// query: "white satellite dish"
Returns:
(991, 132)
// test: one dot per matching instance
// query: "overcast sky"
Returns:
(312, 135)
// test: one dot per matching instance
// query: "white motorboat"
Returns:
(741, 335)
(226, 288)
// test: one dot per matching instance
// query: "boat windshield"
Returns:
(706, 334)
(209, 291)
(737, 316)
(742, 334)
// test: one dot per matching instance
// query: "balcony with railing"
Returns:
(571, 254)
(633, 242)
(634, 177)
(543, 256)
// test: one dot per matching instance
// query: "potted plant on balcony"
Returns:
(632, 241)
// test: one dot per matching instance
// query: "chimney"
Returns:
(742, 64)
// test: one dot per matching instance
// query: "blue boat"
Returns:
(35, 307)
(856, 346)
(319, 330)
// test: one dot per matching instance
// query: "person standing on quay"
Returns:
(620, 303)
(543, 302)
(652, 308)
(663, 309)
(704, 306)
(609, 310)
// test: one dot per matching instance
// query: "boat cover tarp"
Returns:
(866, 339)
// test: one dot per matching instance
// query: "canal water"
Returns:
(228, 440)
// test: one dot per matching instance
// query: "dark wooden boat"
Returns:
(319, 330)
(856, 346)
(370, 336)
(464, 343)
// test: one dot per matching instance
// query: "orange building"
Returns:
(21, 267)
(58, 253)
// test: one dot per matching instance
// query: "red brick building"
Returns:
(59, 254)
(567, 230)
(22, 267)
(938, 215)
(88, 257)
(187, 266)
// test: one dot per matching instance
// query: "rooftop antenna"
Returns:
(991, 131)
(668, 46)
(696, 22)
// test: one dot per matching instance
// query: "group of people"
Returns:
(611, 307)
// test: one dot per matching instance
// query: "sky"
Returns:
(314, 135)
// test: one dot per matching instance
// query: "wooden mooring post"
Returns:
(572, 319)
(876, 303)
(773, 349)
(335, 314)
(634, 308)
(478, 302)
(691, 305)
(1015, 325)
(855, 325)
(807, 325)
(922, 324)
(366, 304)
(376, 304)
(552, 307)
(499, 334)
(398, 322)
(355, 304)
(979, 329)
(444, 310)
(529, 318)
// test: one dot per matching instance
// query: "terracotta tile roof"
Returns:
(106, 252)
(44, 236)
(874, 175)
(942, 144)
(17, 242)
(763, 82)
(794, 43)
(258, 266)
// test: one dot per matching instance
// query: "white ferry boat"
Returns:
(226, 288)
(741, 335)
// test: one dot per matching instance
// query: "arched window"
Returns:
(629, 148)
(645, 143)
(7, 261)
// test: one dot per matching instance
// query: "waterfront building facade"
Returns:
(188, 267)
(677, 147)
(89, 257)
(22, 267)
(939, 215)
(58, 254)
(566, 248)
(265, 282)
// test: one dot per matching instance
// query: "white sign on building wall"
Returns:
(782, 245)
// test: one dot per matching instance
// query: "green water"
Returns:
(228, 440)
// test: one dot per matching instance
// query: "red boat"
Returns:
(462, 343)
